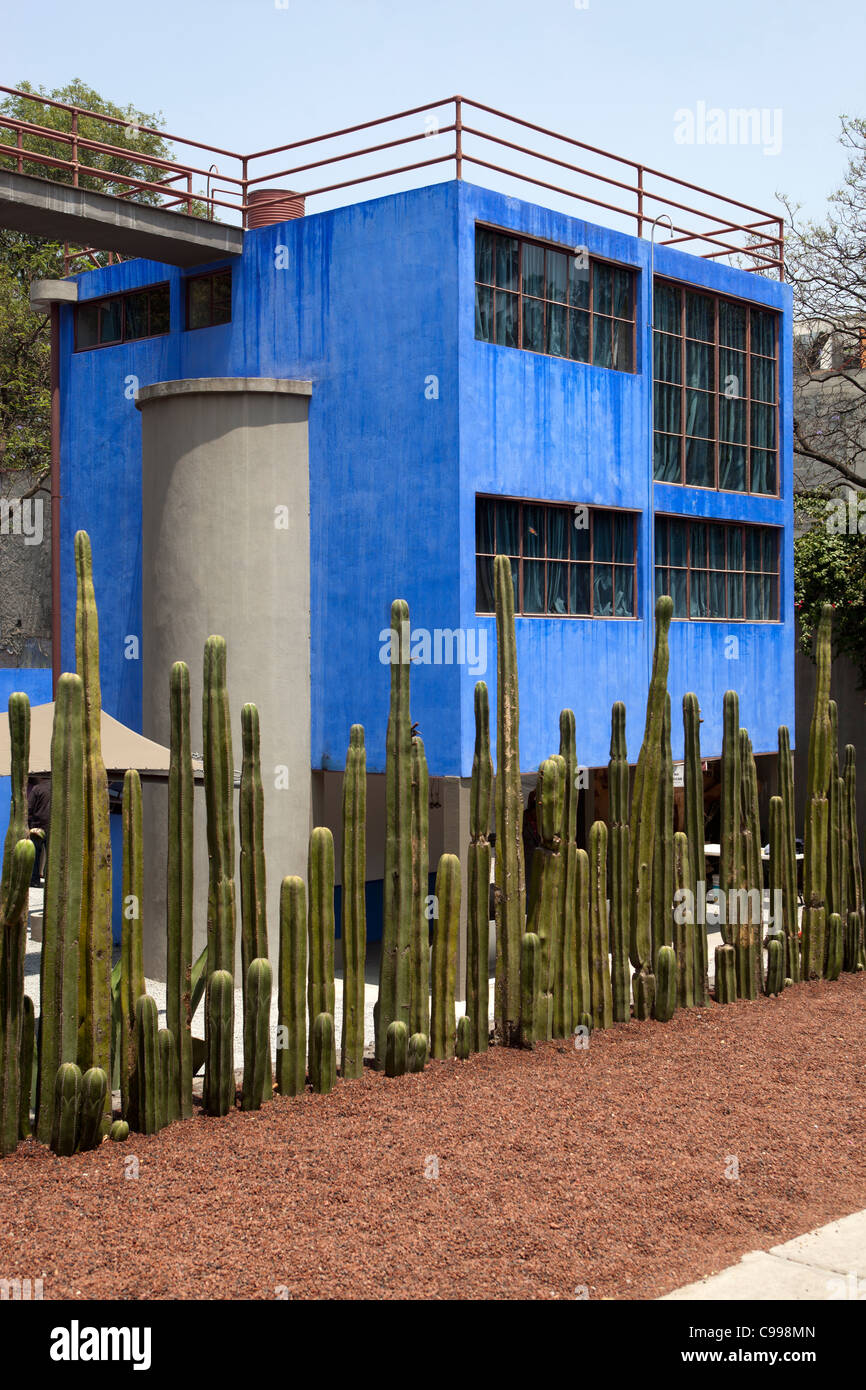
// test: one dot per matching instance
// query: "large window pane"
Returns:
(700, 463)
(667, 403)
(581, 538)
(678, 534)
(507, 262)
(111, 321)
(557, 588)
(557, 276)
(753, 548)
(770, 550)
(558, 528)
(667, 467)
(602, 289)
(507, 528)
(763, 471)
(602, 527)
(678, 592)
(580, 588)
(602, 588)
(735, 596)
(87, 325)
(623, 539)
(533, 270)
(484, 601)
(623, 338)
(699, 545)
(661, 541)
(732, 324)
(533, 586)
(557, 329)
(160, 310)
(716, 597)
(732, 420)
(735, 548)
(700, 365)
(763, 333)
(732, 374)
(716, 547)
(135, 324)
(485, 526)
(533, 325)
(667, 357)
(578, 281)
(198, 302)
(602, 344)
(763, 426)
(763, 379)
(698, 594)
(699, 414)
(484, 314)
(754, 597)
(667, 308)
(533, 531)
(578, 342)
(732, 468)
(700, 318)
(485, 242)
(622, 283)
(623, 591)
(506, 319)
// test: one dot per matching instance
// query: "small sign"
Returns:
(679, 774)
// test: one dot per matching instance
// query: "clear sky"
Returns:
(248, 74)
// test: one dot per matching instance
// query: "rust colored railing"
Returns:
(459, 132)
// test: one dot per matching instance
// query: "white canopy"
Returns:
(121, 747)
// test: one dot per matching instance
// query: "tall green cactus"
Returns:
(726, 974)
(663, 854)
(320, 934)
(66, 1104)
(775, 981)
(19, 749)
(778, 857)
(544, 914)
(91, 1108)
(563, 997)
(693, 786)
(254, 910)
(685, 929)
(749, 929)
(667, 976)
(397, 1051)
(854, 876)
(26, 1057)
(179, 884)
(169, 1086)
(835, 897)
(419, 954)
(510, 881)
(730, 811)
(645, 809)
(582, 995)
(600, 989)
(257, 1034)
(18, 857)
(354, 911)
(132, 985)
(219, 1083)
(620, 899)
(58, 1010)
(789, 856)
(94, 982)
(817, 809)
(219, 780)
(147, 1068)
(530, 988)
(291, 1005)
(835, 946)
(478, 904)
(394, 964)
(443, 1016)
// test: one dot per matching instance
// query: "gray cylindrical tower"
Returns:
(225, 549)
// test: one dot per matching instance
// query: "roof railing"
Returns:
(709, 224)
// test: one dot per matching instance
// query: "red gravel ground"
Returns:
(602, 1168)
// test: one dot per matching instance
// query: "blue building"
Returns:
(469, 373)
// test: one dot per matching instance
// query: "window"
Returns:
(715, 401)
(718, 570)
(209, 299)
(548, 299)
(121, 318)
(566, 561)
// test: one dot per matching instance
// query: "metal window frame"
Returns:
(100, 299)
(210, 275)
(742, 570)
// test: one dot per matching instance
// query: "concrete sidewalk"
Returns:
(829, 1263)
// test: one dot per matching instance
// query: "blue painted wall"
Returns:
(411, 416)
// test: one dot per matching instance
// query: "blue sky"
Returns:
(248, 74)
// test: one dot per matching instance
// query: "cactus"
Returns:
(219, 780)
(119, 1131)
(394, 964)
(619, 883)
(419, 953)
(730, 811)
(353, 923)
(463, 1042)
(530, 988)
(58, 1013)
(320, 934)
(835, 946)
(778, 855)
(667, 975)
(563, 995)
(67, 1102)
(850, 955)
(693, 785)
(817, 809)
(179, 884)
(684, 929)
(478, 904)
(854, 875)
(789, 855)
(644, 810)
(834, 820)
(169, 1094)
(323, 1068)
(13, 939)
(510, 884)
(775, 982)
(416, 1057)
(726, 974)
(748, 938)
(291, 1005)
(132, 985)
(544, 915)
(94, 980)
(254, 914)
(257, 1034)
(644, 989)
(219, 1081)
(600, 990)
(582, 992)
(663, 862)
(147, 1066)
(397, 1050)
(444, 962)
(91, 1108)
(26, 1052)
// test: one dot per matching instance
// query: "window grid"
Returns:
(622, 328)
(218, 299)
(153, 299)
(749, 397)
(696, 570)
(590, 564)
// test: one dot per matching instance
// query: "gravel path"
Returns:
(607, 1173)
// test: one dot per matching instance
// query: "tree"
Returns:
(826, 266)
(830, 566)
